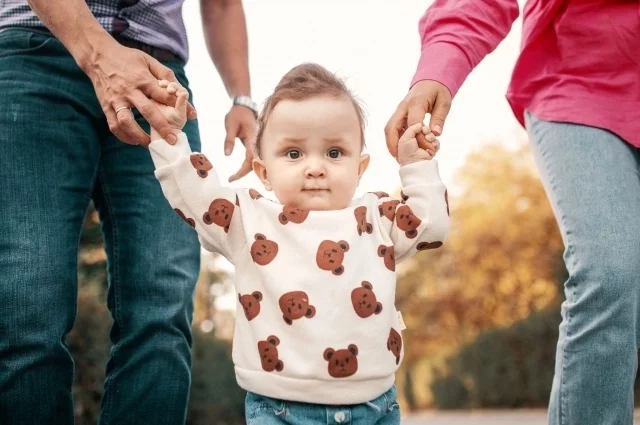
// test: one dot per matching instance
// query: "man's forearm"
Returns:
(74, 25)
(225, 33)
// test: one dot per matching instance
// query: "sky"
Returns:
(375, 46)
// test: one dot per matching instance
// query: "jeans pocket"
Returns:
(20, 42)
(257, 407)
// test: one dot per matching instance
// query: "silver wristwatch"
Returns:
(246, 101)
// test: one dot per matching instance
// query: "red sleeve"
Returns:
(457, 34)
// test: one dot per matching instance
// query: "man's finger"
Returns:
(394, 129)
(160, 71)
(192, 114)
(153, 116)
(232, 128)
(124, 126)
(439, 115)
(243, 171)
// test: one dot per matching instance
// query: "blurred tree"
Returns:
(504, 368)
(215, 398)
(498, 265)
(88, 341)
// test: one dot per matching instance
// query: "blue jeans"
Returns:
(592, 179)
(56, 153)
(260, 410)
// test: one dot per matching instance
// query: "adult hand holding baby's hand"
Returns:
(408, 149)
(425, 97)
(176, 115)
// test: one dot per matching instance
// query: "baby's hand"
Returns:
(176, 115)
(408, 149)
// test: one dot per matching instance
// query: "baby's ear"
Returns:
(364, 163)
(261, 171)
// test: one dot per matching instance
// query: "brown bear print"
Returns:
(388, 209)
(201, 164)
(364, 301)
(331, 255)
(381, 194)
(361, 218)
(269, 354)
(387, 253)
(263, 251)
(295, 305)
(342, 363)
(407, 221)
(251, 304)
(394, 344)
(446, 200)
(404, 197)
(220, 213)
(254, 194)
(294, 215)
(423, 246)
(191, 221)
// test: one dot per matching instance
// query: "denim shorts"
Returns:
(261, 410)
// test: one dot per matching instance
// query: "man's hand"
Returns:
(425, 96)
(241, 123)
(126, 78)
(176, 115)
(408, 149)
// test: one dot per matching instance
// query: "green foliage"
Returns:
(449, 392)
(214, 391)
(510, 367)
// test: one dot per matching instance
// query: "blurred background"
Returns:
(482, 313)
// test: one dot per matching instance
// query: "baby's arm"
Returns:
(191, 185)
(421, 219)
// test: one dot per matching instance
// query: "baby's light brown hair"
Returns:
(303, 82)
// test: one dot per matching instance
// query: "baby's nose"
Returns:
(315, 169)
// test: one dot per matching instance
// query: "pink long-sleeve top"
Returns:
(579, 60)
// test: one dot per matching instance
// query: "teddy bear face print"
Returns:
(201, 164)
(330, 256)
(342, 363)
(263, 250)
(220, 213)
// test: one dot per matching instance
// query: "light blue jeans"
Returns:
(261, 410)
(592, 179)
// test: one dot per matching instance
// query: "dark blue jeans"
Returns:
(56, 153)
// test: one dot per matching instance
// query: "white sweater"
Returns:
(317, 288)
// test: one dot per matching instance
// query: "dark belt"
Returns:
(156, 52)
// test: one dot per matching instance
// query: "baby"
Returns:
(318, 335)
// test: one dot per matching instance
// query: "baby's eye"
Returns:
(293, 154)
(334, 153)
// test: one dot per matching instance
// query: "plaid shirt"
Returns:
(155, 22)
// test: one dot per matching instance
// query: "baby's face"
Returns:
(311, 153)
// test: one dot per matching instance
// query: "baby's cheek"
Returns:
(285, 185)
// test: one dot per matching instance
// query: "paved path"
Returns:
(484, 417)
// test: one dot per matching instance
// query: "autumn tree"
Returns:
(498, 265)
